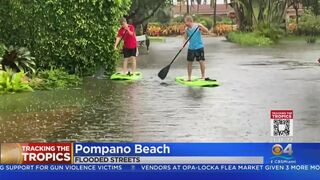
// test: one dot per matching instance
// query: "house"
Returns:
(203, 9)
(180, 9)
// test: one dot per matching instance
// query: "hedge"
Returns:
(75, 34)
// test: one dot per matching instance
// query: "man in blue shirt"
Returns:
(196, 47)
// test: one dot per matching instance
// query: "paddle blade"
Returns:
(163, 73)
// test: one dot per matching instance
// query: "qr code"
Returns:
(282, 127)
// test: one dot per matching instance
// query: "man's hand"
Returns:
(126, 27)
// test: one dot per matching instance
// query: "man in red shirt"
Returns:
(128, 34)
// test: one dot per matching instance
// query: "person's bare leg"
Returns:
(133, 64)
(125, 66)
(189, 70)
(203, 69)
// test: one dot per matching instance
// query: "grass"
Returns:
(249, 39)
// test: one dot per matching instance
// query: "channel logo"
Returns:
(282, 153)
(36, 153)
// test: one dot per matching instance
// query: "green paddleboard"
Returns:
(196, 82)
(125, 77)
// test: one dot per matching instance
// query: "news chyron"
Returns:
(64, 153)
(160, 157)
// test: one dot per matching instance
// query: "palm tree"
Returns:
(213, 4)
(188, 10)
(198, 4)
(181, 2)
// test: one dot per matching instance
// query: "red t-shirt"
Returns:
(130, 41)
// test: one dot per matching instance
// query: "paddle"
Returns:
(164, 71)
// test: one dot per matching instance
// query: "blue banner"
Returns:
(179, 158)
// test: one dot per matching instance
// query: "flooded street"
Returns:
(253, 81)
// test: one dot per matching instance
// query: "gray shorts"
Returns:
(197, 54)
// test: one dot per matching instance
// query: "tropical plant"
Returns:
(222, 29)
(11, 82)
(156, 29)
(54, 79)
(250, 13)
(18, 59)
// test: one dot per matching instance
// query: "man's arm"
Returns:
(203, 28)
(185, 35)
(117, 42)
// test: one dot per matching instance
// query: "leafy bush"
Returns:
(11, 82)
(226, 21)
(206, 21)
(17, 59)
(248, 38)
(309, 24)
(54, 79)
(270, 31)
(77, 35)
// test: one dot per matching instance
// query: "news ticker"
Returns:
(160, 157)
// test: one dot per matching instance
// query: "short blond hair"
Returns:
(188, 18)
(123, 20)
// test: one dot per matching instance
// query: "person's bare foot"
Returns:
(319, 60)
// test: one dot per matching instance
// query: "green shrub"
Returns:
(309, 24)
(271, 31)
(226, 21)
(17, 59)
(77, 35)
(54, 79)
(248, 38)
(206, 21)
(11, 82)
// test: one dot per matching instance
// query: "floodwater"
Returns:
(254, 80)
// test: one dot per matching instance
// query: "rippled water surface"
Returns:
(253, 81)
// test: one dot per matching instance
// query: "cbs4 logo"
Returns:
(278, 150)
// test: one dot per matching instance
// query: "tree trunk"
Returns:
(188, 10)
(215, 13)
(297, 16)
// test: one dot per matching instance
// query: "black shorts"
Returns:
(196, 53)
(129, 52)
